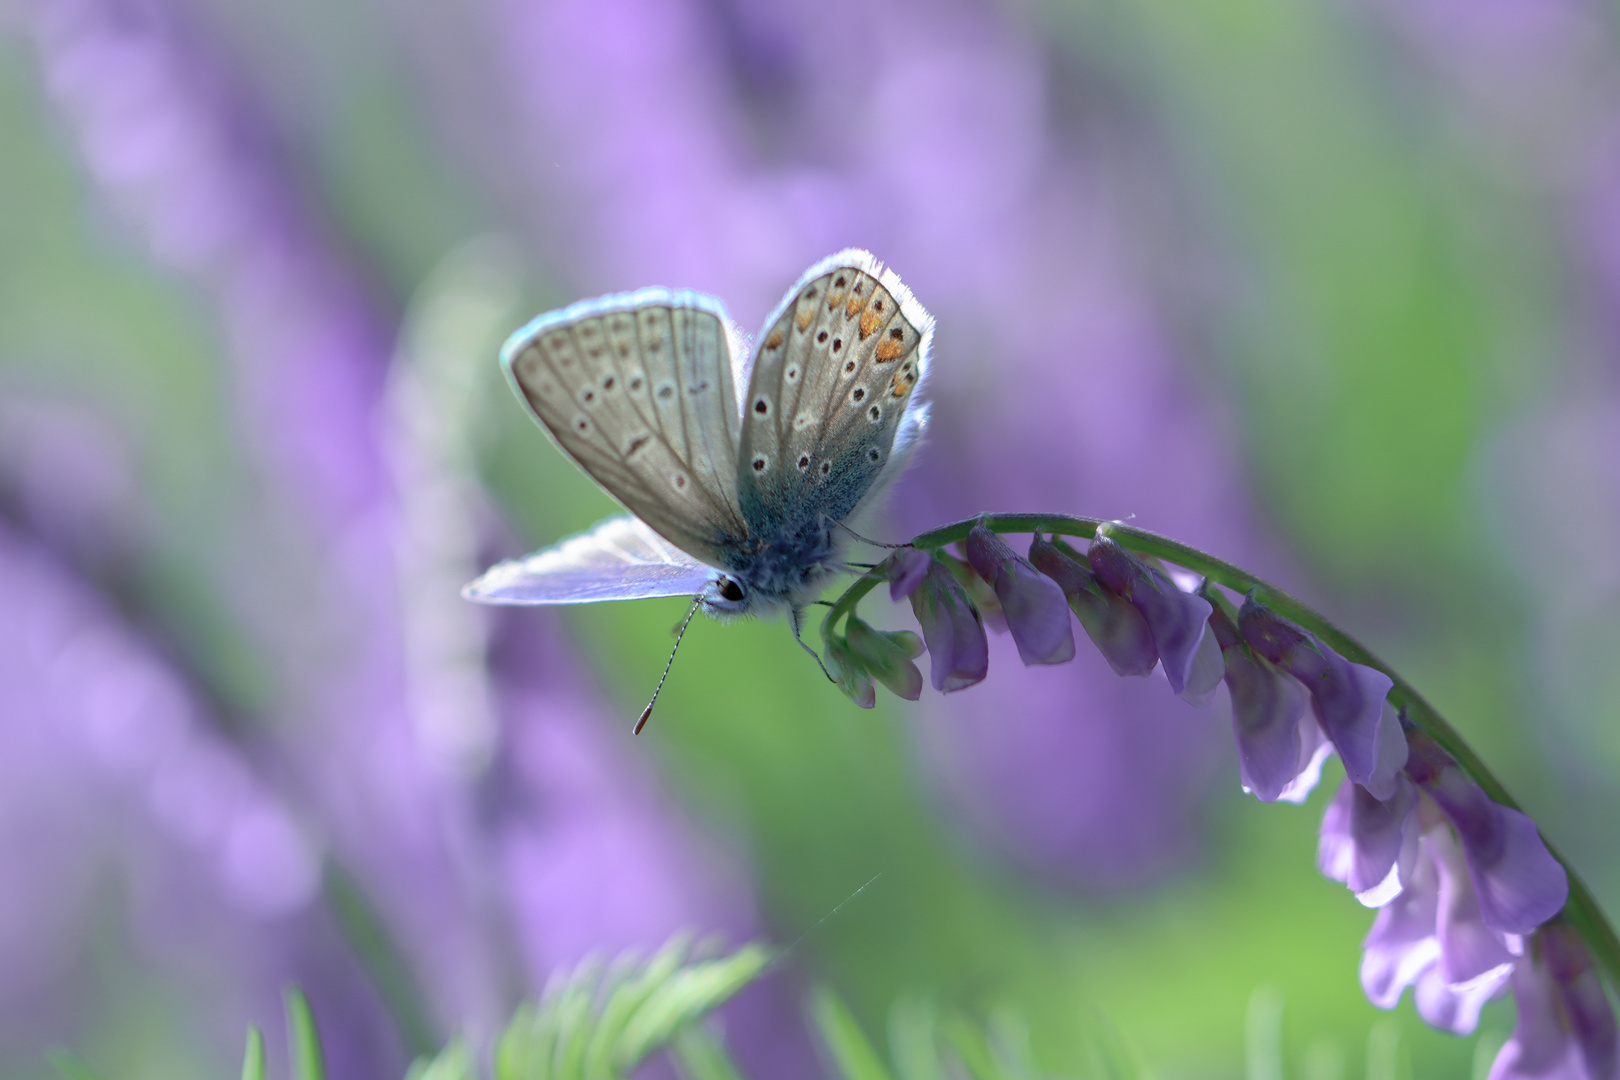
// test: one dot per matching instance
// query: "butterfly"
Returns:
(740, 466)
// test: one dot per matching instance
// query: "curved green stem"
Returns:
(1581, 910)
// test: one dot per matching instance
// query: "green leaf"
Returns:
(303, 1040)
(1008, 1031)
(972, 1048)
(700, 1055)
(627, 994)
(253, 1056)
(843, 1037)
(573, 1013)
(69, 1066)
(523, 1045)
(454, 1062)
(1112, 1055)
(686, 995)
(914, 1039)
(599, 1023)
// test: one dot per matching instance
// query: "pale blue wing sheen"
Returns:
(620, 559)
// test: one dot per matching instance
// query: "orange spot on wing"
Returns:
(887, 349)
(901, 384)
(774, 341)
(869, 323)
(802, 320)
(856, 302)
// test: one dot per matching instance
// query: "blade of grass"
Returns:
(303, 1040)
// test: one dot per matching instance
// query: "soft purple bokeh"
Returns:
(114, 770)
(574, 855)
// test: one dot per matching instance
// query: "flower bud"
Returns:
(887, 656)
(1520, 884)
(1348, 699)
(958, 653)
(1280, 750)
(905, 570)
(1119, 631)
(849, 673)
(1037, 611)
(1176, 618)
(1566, 1027)
(1364, 840)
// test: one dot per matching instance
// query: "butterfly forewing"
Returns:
(833, 376)
(638, 390)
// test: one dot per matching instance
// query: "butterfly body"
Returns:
(738, 498)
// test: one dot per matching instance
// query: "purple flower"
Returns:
(1037, 612)
(1432, 937)
(958, 652)
(1348, 699)
(1565, 1027)
(1115, 626)
(905, 570)
(1176, 618)
(1365, 841)
(887, 656)
(1280, 749)
(1520, 884)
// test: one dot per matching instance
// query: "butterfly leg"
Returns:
(793, 621)
(830, 520)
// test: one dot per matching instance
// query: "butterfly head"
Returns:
(724, 596)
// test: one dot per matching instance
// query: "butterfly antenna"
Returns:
(793, 621)
(646, 714)
(865, 540)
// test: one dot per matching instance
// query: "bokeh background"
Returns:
(1330, 288)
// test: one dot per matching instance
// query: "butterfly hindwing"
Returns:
(828, 417)
(638, 389)
(620, 559)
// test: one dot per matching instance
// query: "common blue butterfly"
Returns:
(737, 500)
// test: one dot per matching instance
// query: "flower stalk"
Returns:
(1580, 913)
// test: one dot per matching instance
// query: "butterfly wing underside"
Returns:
(828, 418)
(620, 559)
(639, 390)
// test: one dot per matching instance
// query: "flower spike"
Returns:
(1470, 900)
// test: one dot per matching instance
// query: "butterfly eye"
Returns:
(730, 590)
